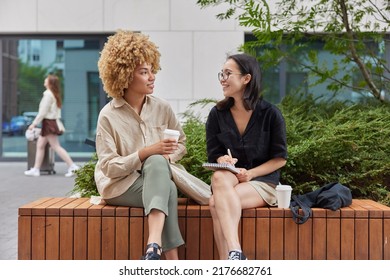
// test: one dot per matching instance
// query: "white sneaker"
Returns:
(71, 170)
(32, 172)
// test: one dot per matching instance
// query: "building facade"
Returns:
(66, 36)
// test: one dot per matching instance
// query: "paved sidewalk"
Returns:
(17, 190)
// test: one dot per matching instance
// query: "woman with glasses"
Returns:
(246, 131)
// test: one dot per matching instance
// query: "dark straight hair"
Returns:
(252, 94)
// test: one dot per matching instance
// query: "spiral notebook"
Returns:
(219, 166)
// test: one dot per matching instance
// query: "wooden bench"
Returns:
(69, 228)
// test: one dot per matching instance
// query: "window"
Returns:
(25, 62)
(289, 77)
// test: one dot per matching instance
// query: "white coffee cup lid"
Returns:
(172, 132)
(283, 187)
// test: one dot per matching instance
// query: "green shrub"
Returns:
(335, 142)
(195, 132)
(85, 185)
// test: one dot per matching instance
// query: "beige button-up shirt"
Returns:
(121, 133)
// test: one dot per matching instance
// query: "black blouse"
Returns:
(264, 138)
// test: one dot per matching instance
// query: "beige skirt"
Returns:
(267, 192)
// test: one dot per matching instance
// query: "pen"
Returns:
(229, 153)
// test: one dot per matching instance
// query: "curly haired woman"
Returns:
(133, 158)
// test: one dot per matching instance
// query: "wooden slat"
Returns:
(122, 233)
(95, 232)
(80, 243)
(333, 233)
(347, 224)
(193, 230)
(145, 234)
(66, 238)
(262, 234)
(136, 245)
(206, 248)
(319, 237)
(109, 211)
(386, 239)
(182, 212)
(375, 239)
(108, 238)
(305, 240)
(290, 237)
(276, 238)
(52, 238)
(240, 230)
(38, 237)
(361, 239)
(108, 232)
(122, 237)
(248, 235)
(80, 240)
(24, 238)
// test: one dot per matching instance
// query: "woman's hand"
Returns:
(227, 159)
(31, 127)
(244, 175)
(163, 147)
(166, 146)
(261, 170)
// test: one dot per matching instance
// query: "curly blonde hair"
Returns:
(121, 54)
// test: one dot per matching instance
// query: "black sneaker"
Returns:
(152, 255)
(236, 256)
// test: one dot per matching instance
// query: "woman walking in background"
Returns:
(49, 111)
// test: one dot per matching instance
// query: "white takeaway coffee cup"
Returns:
(283, 194)
(171, 133)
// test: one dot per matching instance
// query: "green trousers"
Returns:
(154, 189)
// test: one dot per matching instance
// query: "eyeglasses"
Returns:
(225, 75)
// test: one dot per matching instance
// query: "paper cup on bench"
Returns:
(283, 194)
(171, 133)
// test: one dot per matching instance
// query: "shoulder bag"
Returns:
(189, 185)
(331, 196)
(61, 127)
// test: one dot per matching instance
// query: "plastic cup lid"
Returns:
(283, 187)
(171, 131)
